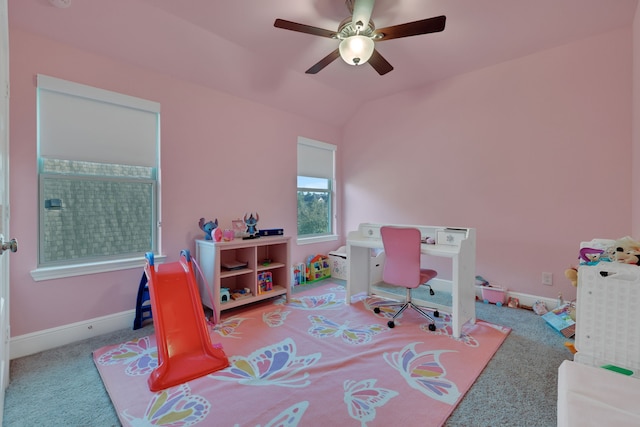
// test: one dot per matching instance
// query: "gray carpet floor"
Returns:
(62, 387)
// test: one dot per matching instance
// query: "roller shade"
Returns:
(78, 122)
(315, 158)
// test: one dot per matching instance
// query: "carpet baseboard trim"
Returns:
(35, 342)
(442, 285)
(525, 299)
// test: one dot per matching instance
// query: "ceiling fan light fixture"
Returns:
(356, 50)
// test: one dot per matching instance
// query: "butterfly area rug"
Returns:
(312, 361)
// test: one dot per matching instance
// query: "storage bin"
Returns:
(494, 295)
(607, 316)
(338, 263)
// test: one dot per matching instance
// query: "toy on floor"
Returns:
(494, 295)
(143, 304)
(539, 308)
(185, 351)
(299, 274)
(571, 347)
(318, 268)
(513, 302)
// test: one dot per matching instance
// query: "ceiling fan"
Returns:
(358, 34)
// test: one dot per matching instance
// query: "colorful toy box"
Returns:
(494, 295)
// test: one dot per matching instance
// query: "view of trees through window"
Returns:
(314, 206)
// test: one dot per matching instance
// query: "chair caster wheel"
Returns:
(376, 310)
(436, 313)
(391, 324)
(432, 327)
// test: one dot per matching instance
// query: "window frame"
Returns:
(113, 262)
(305, 168)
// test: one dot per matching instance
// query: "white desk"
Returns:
(463, 255)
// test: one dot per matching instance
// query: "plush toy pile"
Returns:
(625, 250)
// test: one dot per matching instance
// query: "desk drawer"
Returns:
(450, 236)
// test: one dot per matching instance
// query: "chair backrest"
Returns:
(402, 256)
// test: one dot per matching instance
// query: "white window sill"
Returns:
(317, 239)
(48, 273)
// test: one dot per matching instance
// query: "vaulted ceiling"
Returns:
(234, 47)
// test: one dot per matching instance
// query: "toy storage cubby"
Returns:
(607, 316)
(249, 258)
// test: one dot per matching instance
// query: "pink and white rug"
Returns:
(312, 361)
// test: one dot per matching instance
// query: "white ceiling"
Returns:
(233, 46)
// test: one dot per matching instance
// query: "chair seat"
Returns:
(426, 275)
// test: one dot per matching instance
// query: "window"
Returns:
(315, 191)
(98, 161)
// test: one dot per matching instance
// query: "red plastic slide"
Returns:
(185, 351)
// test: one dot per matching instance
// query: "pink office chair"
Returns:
(402, 267)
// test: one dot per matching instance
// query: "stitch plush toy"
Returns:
(251, 222)
(208, 227)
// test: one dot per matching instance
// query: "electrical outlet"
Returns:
(547, 279)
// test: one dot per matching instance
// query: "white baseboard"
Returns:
(47, 339)
(524, 299)
(24, 345)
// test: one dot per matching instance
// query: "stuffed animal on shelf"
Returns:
(208, 227)
(626, 250)
(251, 222)
(630, 256)
(590, 256)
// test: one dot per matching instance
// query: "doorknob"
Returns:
(11, 245)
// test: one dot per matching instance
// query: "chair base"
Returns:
(409, 303)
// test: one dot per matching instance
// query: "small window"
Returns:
(315, 190)
(98, 161)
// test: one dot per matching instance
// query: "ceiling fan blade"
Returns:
(302, 28)
(380, 64)
(324, 62)
(424, 26)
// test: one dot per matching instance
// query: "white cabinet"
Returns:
(256, 257)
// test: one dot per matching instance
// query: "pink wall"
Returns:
(636, 126)
(201, 129)
(534, 153)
